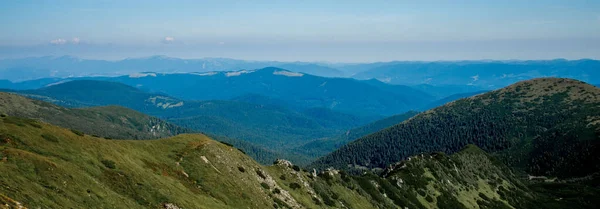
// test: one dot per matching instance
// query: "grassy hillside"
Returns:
(56, 168)
(50, 167)
(108, 121)
(544, 126)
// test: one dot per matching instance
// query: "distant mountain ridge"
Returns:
(69, 66)
(303, 91)
(484, 74)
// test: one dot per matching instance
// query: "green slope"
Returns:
(543, 126)
(51, 167)
(109, 121)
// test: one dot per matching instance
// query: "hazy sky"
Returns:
(348, 31)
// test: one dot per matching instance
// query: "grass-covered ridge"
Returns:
(73, 171)
(106, 121)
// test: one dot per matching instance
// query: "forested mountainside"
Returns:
(107, 121)
(51, 167)
(546, 126)
(321, 147)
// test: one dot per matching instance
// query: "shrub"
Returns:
(109, 164)
(282, 177)
(265, 185)
(225, 143)
(3, 115)
(49, 137)
(241, 169)
(296, 168)
(429, 198)
(260, 173)
(78, 133)
(281, 203)
(276, 191)
(328, 201)
(35, 124)
(295, 185)
(317, 201)
(334, 196)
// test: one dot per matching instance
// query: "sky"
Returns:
(331, 31)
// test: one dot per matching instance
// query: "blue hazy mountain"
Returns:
(69, 66)
(483, 74)
(302, 90)
(313, 69)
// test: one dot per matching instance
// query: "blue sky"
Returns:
(336, 31)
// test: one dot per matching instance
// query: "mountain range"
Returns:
(482, 74)
(479, 75)
(69, 66)
(302, 91)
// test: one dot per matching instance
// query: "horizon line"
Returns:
(297, 61)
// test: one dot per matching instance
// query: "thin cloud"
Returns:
(75, 40)
(168, 40)
(59, 41)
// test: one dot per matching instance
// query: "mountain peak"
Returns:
(534, 89)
